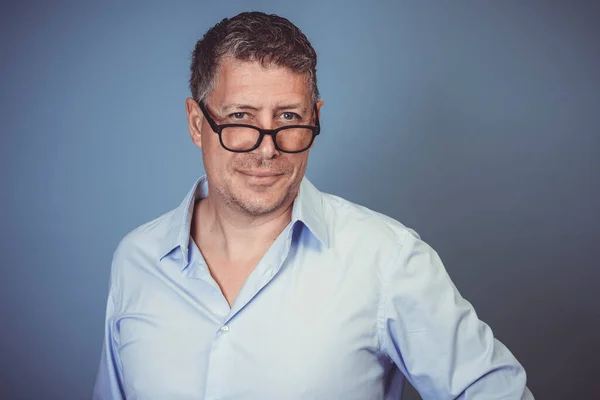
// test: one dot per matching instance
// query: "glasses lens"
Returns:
(243, 139)
(239, 138)
(294, 139)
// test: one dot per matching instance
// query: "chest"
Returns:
(230, 276)
(309, 333)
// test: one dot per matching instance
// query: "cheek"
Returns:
(216, 159)
(300, 162)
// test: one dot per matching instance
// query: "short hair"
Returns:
(252, 36)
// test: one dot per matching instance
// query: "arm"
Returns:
(109, 380)
(434, 336)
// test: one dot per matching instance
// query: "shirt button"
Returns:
(224, 329)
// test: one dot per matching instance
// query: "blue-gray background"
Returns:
(475, 123)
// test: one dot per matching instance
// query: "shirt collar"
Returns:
(307, 208)
(178, 231)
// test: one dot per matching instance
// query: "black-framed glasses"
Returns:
(242, 138)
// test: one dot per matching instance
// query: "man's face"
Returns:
(263, 180)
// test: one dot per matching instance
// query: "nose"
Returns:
(267, 148)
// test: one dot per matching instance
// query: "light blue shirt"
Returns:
(344, 305)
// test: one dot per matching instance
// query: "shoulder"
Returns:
(142, 243)
(351, 222)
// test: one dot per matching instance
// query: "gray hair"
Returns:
(252, 36)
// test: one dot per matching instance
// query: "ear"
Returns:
(195, 120)
(319, 105)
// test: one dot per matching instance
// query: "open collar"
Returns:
(307, 208)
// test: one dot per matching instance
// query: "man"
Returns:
(258, 286)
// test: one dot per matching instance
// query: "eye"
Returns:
(290, 116)
(237, 115)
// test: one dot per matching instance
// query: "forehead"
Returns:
(263, 86)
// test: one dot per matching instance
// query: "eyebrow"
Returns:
(292, 106)
(240, 106)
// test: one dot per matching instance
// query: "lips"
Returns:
(261, 174)
(261, 178)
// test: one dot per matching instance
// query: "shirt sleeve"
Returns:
(434, 336)
(109, 380)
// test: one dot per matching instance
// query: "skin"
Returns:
(245, 211)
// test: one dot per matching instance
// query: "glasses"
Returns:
(241, 138)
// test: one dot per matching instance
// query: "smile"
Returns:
(261, 177)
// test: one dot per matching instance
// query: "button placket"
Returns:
(218, 365)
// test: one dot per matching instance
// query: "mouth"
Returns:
(261, 177)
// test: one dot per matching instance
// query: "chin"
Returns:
(263, 206)
(256, 204)
(256, 197)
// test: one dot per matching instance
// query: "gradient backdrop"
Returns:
(475, 123)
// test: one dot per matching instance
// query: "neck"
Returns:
(234, 234)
